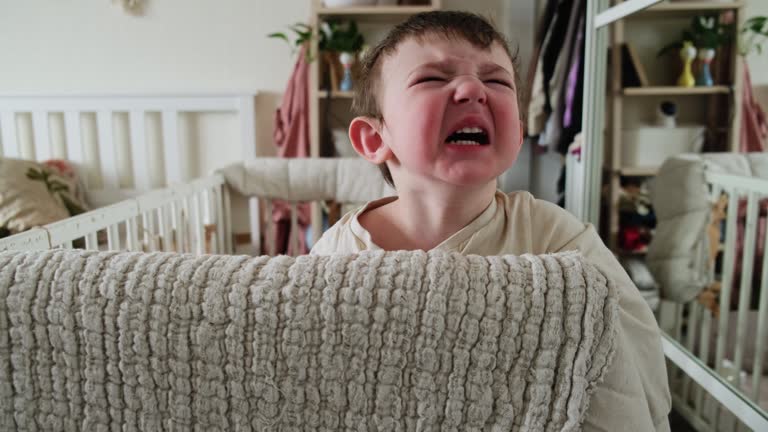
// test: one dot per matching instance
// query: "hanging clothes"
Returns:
(754, 128)
(556, 77)
(291, 137)
(574, 92)
(550, 136)
(539, 103)
(556, 64)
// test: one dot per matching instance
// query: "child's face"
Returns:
(433, 88)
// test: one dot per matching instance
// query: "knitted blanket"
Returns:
(376, 341)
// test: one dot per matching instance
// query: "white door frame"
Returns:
(598, 17)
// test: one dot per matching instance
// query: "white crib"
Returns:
(124, 146)
(196, 217)
(710, 387)
(117, 142)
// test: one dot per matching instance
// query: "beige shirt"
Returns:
(634, 395)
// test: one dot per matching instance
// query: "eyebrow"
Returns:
(447, 68)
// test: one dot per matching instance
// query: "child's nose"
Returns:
(469, 89)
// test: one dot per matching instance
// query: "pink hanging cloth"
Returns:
(754, 128)
(291, 135)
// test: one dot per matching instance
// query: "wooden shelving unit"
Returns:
(675, 91)
(717, 107)
(335, 95)
(368, 13)
(318, 98)
(688, 7)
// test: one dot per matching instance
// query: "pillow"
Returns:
(34, 194)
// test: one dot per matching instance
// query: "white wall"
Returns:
(92, 46)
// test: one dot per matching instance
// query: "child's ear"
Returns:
(365, 134)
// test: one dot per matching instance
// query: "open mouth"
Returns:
(469, 136)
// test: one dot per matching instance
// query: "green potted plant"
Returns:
(302, 33)
(336, 39)
(340, 42)
(706, 33)
(753, 33)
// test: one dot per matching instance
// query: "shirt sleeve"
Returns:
(326, 245)
(634, 394)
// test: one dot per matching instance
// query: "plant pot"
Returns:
(335, 70)
(687, 55)
(704, 77)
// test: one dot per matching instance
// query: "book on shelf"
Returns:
(632, 71)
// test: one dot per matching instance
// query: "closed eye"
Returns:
(499, 81)
(430, 78)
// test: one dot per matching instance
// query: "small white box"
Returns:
(648, 147)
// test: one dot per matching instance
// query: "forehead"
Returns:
(414, 52)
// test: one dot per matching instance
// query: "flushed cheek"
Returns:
(424, 125)
(507, 120)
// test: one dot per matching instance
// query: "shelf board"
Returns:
(373, 12)
(639, 171)
(322, 94)
(690, 7)
(675, 90)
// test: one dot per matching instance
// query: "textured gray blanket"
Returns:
(377, 341)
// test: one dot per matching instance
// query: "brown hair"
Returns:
(449, 24)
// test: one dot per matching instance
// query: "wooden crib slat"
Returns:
(113, 237)
(728, 263)
(107, 151)
(762, 325)
(74, 137)
(185, 242)
(745, 288)
(198, 224)
(254, 209)
(175, 216)
(92, 241)
(218, 204)
(132, 234)
(294, 242)
(227, 210)
(173, 153)
(210, 219)
(139, 149)
(10, 139)
(164, 220)
(269, 232)
(706, 331)
(42, 135)
(147, 235)
(186, 225)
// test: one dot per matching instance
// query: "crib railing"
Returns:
(710, 384)
(191, 217)
(116, 140)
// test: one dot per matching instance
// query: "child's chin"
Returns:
(469, 179)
